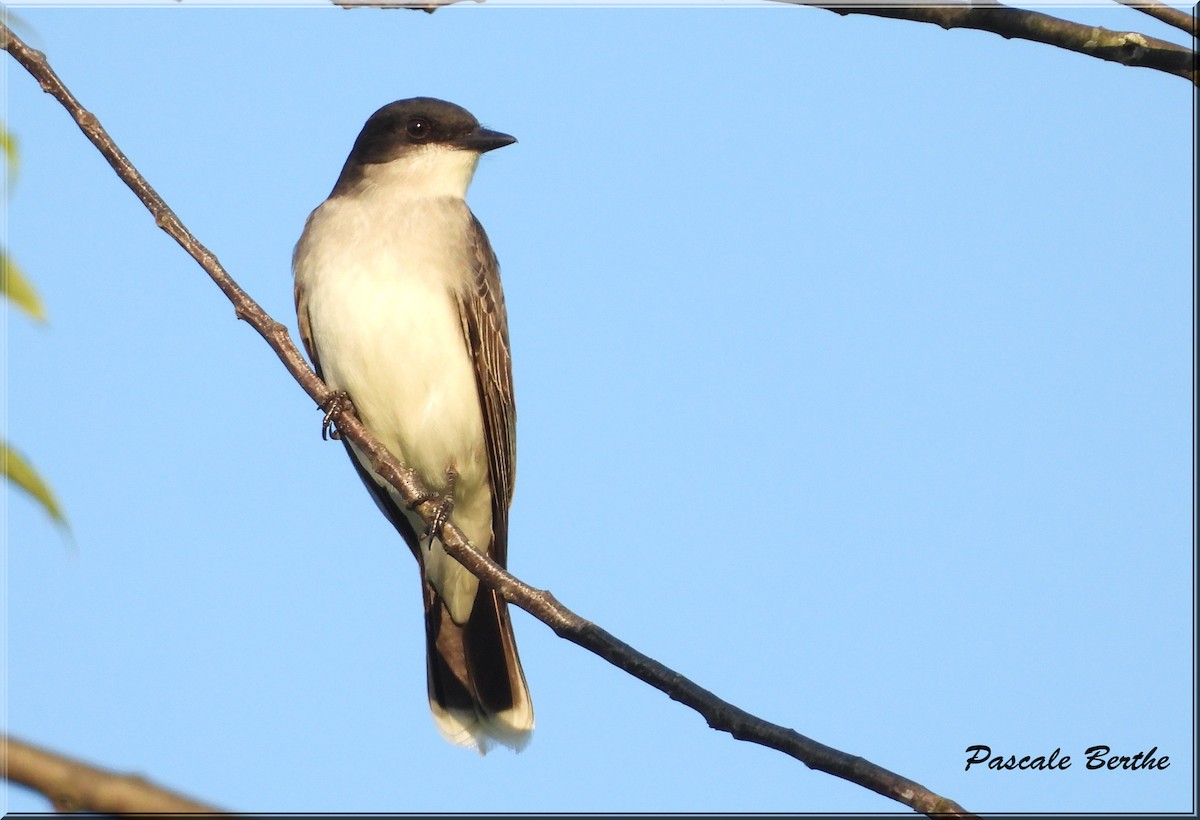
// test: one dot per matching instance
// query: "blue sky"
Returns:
(853, 366)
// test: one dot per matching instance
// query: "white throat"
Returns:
(431, 171)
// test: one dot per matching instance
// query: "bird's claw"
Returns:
(335, 403)
(445, 507)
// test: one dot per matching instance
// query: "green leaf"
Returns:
(9, 144)
(20, 472)
(16, 287)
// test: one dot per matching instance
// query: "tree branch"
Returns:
(1178, 18)
(1125, 47)
(541, 604)
(72, 785)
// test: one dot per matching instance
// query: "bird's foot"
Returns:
(332, 405)
(445, 507)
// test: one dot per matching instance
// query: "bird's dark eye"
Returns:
(418, 128)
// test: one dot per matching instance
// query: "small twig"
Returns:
(1178, 18)
(1125, 47)
(539, 603)
(429, 7)
(72, 785)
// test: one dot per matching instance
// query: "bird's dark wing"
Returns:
(306, 326)
(485, 327)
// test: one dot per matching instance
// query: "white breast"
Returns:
(381, 273)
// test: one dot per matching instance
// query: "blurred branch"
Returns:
(539, 603)
(1125, 47)
(72, 785)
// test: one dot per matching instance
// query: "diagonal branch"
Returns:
(1178, 18)
(541, 604)
(1125, 47)
(72, 785)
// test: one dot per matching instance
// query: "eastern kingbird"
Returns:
(399, 303)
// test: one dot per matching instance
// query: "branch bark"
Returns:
(1178, 18)
(541, 604)
(1125, 47)
(72, 785)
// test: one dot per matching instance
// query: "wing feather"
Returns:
(485, 327)
(305, 324)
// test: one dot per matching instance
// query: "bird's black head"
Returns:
(404, 125)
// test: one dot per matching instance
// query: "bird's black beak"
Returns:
(483, 140)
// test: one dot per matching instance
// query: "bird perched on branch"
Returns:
(399, 304)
